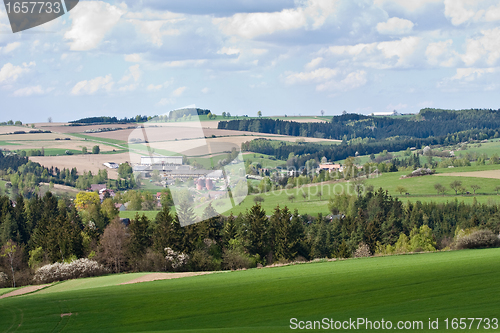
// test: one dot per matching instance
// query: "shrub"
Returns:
(478, 239)
(76, 269)
(3, 279)
(233, 259)
(363, 250)
(176, 260)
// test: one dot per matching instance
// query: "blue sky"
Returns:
(123, 58)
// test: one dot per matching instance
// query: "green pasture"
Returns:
(459, 284)
(6, 290)
(7, 143)
(150, 214)
(93, 282)
(99, 139)
(424, 185)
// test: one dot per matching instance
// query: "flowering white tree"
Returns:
(176, 259)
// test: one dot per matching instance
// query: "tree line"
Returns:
(428, 123)
(47, 230)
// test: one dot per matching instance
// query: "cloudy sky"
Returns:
(290, 57)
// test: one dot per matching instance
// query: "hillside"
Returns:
(412, 288)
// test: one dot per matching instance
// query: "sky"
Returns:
(281, 57)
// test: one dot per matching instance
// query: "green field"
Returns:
(6, 290)
(415, 288)
(99, 139)
(131, 214)
(5, 143)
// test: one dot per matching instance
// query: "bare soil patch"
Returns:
(11, 129)
(83, 162)
(164, 276)
(25, 290)
(494, 174)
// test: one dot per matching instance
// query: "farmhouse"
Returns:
(330, 167)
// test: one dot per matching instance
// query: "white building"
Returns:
(161, 160)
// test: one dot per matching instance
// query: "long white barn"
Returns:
(161, 160)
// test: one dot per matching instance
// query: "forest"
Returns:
(47, 230)
(428, 123)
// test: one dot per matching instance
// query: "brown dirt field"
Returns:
(10, 129)
(74, 143)
(164, 276)
(25, 290)
(494, 174)
(175, 132)
(31, 137)
(83, 162)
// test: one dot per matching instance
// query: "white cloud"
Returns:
(134, 72)
(410, 5)
(33, 90)
(399, 48)
(10, 47)
(153, 29)
(317, 75)
(486, 47)
(471, 74)
(250, 25)
(92, 86)
(395, 26)
(458, 13)
(314, 63)
(185, 63)
(462, 11)
(10, 72)
(91, 20)
(440, 53)
(259, 51)
(158, 87)
(205, 90)
(178, 92)
(381, 55)
(165, 101)
(135, 57)
(353, 80)
(228, 51)
(152, 87)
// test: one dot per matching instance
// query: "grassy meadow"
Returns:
(395, 288)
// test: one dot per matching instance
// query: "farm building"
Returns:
(330, 167)
(161, 160)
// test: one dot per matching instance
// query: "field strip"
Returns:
(163, 276)
(25, 290)
(495, 174)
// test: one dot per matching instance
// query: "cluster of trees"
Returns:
(111, 120)
(25, 176)
(428, 123)
(10, 123)
(47, 230)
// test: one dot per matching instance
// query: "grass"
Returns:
(6, 290)
(131, 214)
(99, 139)
(5, 143)
(424, 185)
(396, 288)
(93, 282)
